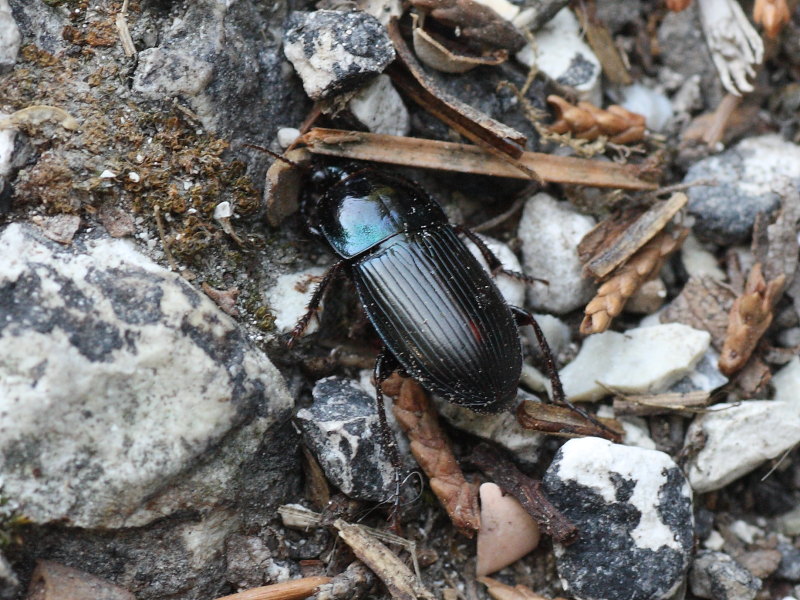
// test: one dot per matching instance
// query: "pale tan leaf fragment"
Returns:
(296, 589)
(432, 451)
(686, 404)
(398, 578)
(704, 304)
(749, 317)
(625, 280)
(772, 14)
(38, 114)
(501, 591)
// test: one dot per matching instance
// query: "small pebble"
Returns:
(562, 54)
(745, 180)
(223, 210)
(108, 174)
(633, 511)
(287, 136)
(737, 438)
(507, 531)
(10, 38)
(715, 575)
(789, 567)
(654, 106)
(289, 296)
(698, 261)
(550, 232)
(341, 429)
(643, 360)
(787, 382)
(335, 51)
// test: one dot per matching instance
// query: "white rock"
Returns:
(738, 438)
(642, 360)
(108, 174)
(787, 382)
(116, 376)
(698, 261)
(746, 532)
(383, 10)
(10, 38)
(223, 210)
(380, 108)
(513, 290)
(7, 139)
(287, 136)
(507, 531)
(714, 541)
(562, 55)
(556, 332)
(289, 297)
(636, 431)
(504, 8)
(654, 106)
(550, 231)
(502, 428)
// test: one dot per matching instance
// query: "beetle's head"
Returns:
(322, 176)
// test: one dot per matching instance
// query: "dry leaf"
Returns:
(704, 304)
(467, 158)
(625, 280)
(750, 316)
(398, 578)
(589, 122)
(772, 14)
(501, 591)
(431, 449)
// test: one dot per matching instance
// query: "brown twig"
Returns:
(625, 280)
(750, 316)
(431, 449)
(297, 589)
(526, 490)
(563, 421)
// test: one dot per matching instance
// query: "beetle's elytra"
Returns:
(437, 311)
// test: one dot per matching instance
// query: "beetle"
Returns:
(437, 311)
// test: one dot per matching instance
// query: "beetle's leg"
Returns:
(523, 317)
(313, 304)
(495, 266)
(385, 365)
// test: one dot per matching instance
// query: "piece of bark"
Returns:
(466, 158)
(587, 121)
(398, 578)
(563, 421)
(599, 38)
(473, 124)
(632, 237)
(686, 404)
(776, 246)
(431, 449)
(225, 299)
(704, 304)
(296, 589)
(475, 22)
(54, 581)
(625, 280)
(752, 380)
(527, 491)
(354, 582)
(282, 186)
(316, 484)
(749, 317)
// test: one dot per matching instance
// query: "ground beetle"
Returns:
(439, 314)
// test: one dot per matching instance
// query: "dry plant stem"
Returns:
(635, 236)
(466, 158)
(163, 236)
(624, 281)
(296, 589)
(716, 129)
(398, 578)
(431, 449)
(750, 316)
(526, 490)
(601, 41)
(589, 122)
(565, 422)
(686, 404)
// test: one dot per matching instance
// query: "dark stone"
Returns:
(789, 567)
(716, 575)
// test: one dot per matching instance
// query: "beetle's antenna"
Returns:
(275, 155)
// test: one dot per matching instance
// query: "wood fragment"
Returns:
(476, 126)
(564, 422)
(475, 22)
(750, 316)
(633, 237)
(624, 281)
(317, 490)
(354, 582)
(121, 22)
(296, 589)
(282, 186)
(466, 158)
(599, 38)
(685, 404)
(500, 591)
(587, 121)
(398, 578)
(527, 491)
(772, 14)
(431, 449)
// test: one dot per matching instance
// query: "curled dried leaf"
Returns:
(772, 15)
(625, 280)
(750, 316)
(589, 122)
(431, 449)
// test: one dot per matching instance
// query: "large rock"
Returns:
(125, 395)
